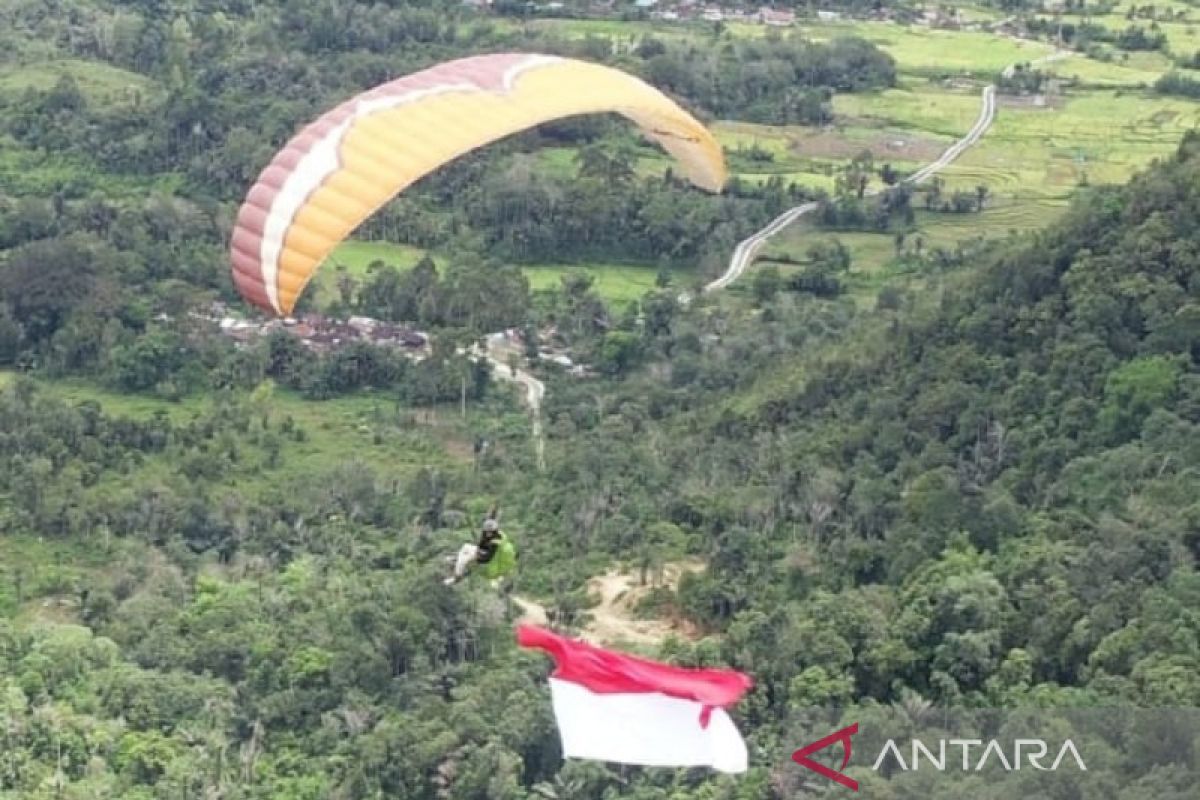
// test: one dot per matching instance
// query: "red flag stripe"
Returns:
(608, 672)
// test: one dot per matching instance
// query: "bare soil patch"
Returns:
(898, 144)
(614, 619)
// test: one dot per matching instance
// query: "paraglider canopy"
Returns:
(341, 168)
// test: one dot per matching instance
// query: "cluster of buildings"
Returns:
(320, 333)
(323, 334)
(933, 15)
(682, 10)
(694, 9)
(670, 10)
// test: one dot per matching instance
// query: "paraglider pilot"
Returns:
(494, 552)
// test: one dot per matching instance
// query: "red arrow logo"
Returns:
(801, 756)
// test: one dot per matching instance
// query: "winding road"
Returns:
(743, 255)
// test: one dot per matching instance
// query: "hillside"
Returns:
(951, 481)
(998, 507)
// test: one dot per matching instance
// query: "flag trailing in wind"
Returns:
(615, 707)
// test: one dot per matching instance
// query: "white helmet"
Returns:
(490, 526)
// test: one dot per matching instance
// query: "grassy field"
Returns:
(906, 127)
(925, 51)
(39, 577)
(612, 29)
(973, 13)
(619, 283)
(917, 49)
(373, 429)
(1182, 32)
(23, 171)
(792, 161)
(354, 258)
(916, 106)
(798, 151)
(96, 80)
(875, 262)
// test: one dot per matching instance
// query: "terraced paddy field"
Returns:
(1034, 153)
(1032, 161)
(1033, 150)
(1139, 71)
(801, 148)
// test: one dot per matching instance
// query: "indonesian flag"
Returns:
(615, 707)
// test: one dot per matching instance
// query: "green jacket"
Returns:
(501, 559)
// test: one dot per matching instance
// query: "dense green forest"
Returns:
(984, 500)
(220, 566)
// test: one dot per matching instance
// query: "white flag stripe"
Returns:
(644, 728)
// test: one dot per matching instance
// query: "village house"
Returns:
(940, 18)
(772, 16)
(323, 334)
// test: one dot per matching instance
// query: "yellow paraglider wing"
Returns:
(341, 168)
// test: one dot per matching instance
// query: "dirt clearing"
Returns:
(614, 619)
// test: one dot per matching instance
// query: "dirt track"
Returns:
(498, 355)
